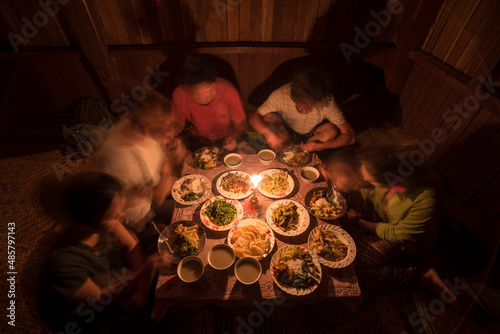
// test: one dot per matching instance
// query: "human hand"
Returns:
(353, 216)
(229, 143)
(276, 140)
(109, 224)
(309, 146)
(157, 260)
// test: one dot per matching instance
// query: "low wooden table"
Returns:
(221, 287)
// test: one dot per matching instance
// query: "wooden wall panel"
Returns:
(465, 35)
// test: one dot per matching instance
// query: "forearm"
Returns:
(366, 225)
(343, 139)
(237, 130)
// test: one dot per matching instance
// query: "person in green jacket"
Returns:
(402, 225)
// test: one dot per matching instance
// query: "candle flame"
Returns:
(255, 179)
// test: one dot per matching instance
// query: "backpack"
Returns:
(92, 120)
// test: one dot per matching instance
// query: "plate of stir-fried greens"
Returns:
(221, 214)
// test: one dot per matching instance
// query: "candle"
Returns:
(254, 202)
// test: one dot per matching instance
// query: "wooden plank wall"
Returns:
(442, 96)
(152, 23)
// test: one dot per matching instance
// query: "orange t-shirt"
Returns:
(212, 121)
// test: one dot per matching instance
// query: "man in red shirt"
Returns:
(211, 105)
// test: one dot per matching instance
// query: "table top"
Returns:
(221, 286)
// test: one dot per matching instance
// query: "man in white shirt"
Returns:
(303, 111)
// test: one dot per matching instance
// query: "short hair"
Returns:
(88, 198)
(344, 162)
(312, 84)
(196, 70)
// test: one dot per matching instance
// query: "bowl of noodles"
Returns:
(275, 183)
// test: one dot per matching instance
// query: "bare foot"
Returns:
(431, 281)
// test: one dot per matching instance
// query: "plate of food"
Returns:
(207, 157)
(294, 156)
(287, 217)
(235, 185)
(295, 270)
(275, 183)
(333, 246)
(251, 237)
(221, 214)
(181, 239)
(325, 204)
(191, 189)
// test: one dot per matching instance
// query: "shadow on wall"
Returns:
(359, 87)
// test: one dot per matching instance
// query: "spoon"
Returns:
(163, 237)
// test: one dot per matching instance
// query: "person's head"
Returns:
(154, 117)
(389, 166)
(342, 169)
(200, 78)
(95, 202)
(310, 87)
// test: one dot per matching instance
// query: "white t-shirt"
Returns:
(281, 102)
(137, 167)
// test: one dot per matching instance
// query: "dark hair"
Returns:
(312, 84)
(149, 111)
(391, 165)
(89, 198)
(195, 70)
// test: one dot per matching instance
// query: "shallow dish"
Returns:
(207, 157)
(233, 160)
(343, 236)
(237, 193)
(294, 156)
(287, 288)
(338, 199)
(186, 184)
(248, 270)
(221, 257)
(208, 223)
(282, 192)
(253, 222)
(190, 269)
(167, 240)
(302, 219)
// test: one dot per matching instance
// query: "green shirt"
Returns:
(410, 219)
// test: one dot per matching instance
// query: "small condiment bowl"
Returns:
(215, 251)
(233, 160)
(266, 156)
(254, 270)
(309, 174)
(190, 269)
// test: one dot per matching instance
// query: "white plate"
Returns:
(233, 195)
(290, 290)
(248, 222)
(205, 183)
(344, 237)
(206, 221)
(301, 211)
(281, 194)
